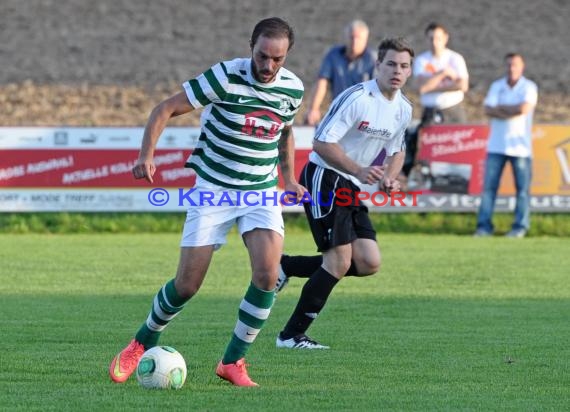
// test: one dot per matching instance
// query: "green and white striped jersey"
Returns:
(241, 123)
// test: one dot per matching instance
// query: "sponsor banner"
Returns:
(551, 162)
(100, 157)
(89, 169)
(74, 200)
(448, 202)
(33, 138)
(59, 168)
(151, 199)
(176, 200)
(451, 159)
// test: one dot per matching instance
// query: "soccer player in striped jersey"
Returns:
(246, 133)
(359, 141)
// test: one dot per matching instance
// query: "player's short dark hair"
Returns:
(399, 44)
(510, 55)
(435, 25)
(272, 28)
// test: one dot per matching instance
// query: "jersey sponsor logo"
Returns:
(364, 127)
(251, 127)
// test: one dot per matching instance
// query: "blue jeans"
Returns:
(522, 172)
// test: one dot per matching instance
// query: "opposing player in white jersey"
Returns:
(359, 141)
(246, 132)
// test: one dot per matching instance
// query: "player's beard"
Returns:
(264, 76)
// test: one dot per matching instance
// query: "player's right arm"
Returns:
(343, 114)
(334, 155)
(171, 107)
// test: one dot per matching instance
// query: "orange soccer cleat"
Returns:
(235, 373)
(125, 363)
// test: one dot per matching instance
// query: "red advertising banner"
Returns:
(94, 168)
(64, 168)
(451, 159)
(89, 169)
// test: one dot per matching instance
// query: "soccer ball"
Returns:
(161, 367)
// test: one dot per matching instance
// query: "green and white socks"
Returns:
(166, 305)
(253, 312)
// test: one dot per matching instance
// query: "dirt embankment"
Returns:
(109, 62)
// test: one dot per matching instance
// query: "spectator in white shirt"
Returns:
(510, 104)
(441, 79)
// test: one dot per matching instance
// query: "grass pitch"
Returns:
(450, 323)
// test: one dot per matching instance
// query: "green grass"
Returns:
(545, 224)
(450, 323)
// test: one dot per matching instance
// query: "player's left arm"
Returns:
(286, 147)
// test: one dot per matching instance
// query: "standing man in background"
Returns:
(441, 79)
(343, 66)
(510, 105)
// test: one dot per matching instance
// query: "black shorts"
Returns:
(334, 221)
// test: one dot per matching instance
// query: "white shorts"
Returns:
(215, 210)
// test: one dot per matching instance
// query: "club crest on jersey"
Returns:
(285, 105)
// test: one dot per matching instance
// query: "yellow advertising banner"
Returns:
(551, 162)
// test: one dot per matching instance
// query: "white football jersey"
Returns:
(366, 125)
